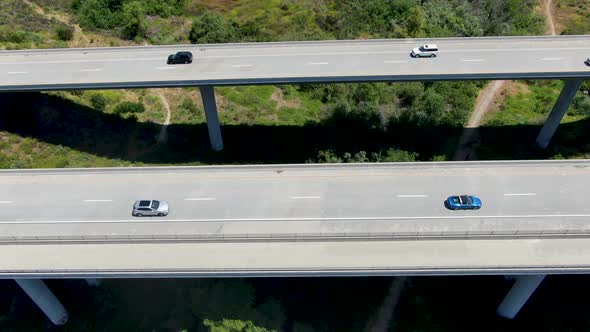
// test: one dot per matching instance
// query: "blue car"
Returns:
(463, 202)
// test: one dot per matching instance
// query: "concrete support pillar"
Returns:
(208, 95)
(564, 100)
(520, 292)
(44, 299)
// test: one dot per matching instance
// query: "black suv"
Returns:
(180, 57)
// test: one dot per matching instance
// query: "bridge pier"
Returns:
(564, 100)
(520, 292)
(208, 96)
(45, 300)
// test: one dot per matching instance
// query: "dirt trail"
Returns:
(470, 137)
(380, 322)
(163, 135)
(549, 16)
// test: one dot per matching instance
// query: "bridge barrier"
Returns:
(303, 237)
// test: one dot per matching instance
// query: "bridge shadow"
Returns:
(61, 122)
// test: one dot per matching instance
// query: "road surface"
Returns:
(296, 62)
(368, 218)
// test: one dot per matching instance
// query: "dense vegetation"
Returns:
(252, 20)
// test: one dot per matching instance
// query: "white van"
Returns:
(426, 50)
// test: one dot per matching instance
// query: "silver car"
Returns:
(150, 208)
(426, 50)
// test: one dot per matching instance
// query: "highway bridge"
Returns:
(306, 220)
(335, 219)
(482, 58)
(297, 220)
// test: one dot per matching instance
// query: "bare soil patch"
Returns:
(279, 97)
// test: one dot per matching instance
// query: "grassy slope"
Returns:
(573, 16)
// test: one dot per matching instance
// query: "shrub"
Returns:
(188, 105)
(327, 156)
(64, 32)
(99, 102)
(129, 107)
(212, 28)
(21, 36)
(397, 155)
(233, 325)
(581, 105)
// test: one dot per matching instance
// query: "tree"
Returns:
(96, 14)
(452, 18)
(233, 325)
(98, 101)
(428, 109)
(133, 19)
(415, 22)
(211, 27)
(581, 105)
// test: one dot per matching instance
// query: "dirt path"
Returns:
(549, 16)
(469, 140)
(163, 135)
(380, 322)
(470, 136)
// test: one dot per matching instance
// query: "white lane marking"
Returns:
(200, 199)
(165, 68)
(17, 72)
(76, 61)
(393, 52)
(97, 200)
(305, 197)
(550, 59)
(473, 60)
(395, 61)
(91, 70)
(316, 63)
(302, 54)
(5, 202)
(241, 66)
(521, 194)
(410, 196)
(470, 216)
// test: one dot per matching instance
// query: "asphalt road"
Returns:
(344, 211)
(395, 192)
(296, 62)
